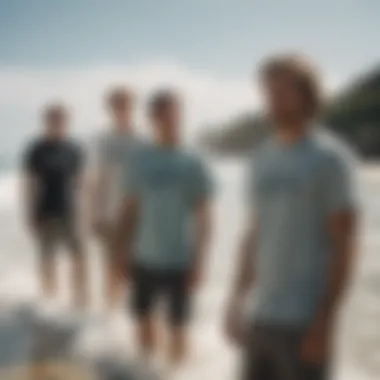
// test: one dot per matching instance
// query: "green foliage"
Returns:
(353, 113)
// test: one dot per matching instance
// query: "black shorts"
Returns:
(274, 353)
(54, 232)
(150, 285)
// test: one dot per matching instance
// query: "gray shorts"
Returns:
(56, 232)
(273, 353)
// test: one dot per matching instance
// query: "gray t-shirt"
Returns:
(112, 153)
(293, 191)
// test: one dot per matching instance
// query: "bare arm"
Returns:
(203, 234)
(29, 195)
(234, 323)
(98, 186)
(244, 270)
(317, 341)
(342, 203)
(83, 191)
(98, 192)
(342, 226)
(244, 273)
(124, 232)
(29, 184)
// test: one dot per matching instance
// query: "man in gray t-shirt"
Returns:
(297, 253)
(112, 150)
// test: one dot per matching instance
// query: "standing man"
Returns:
(165, 220)
(53, 180)
(299, 244)
(112, 149)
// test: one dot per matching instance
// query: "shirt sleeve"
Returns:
(341, 188)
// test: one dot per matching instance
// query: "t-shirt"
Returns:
(55, 165)
(169, 184)
(111, 154)
(294, 190)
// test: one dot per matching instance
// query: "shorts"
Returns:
(273, 353)
(59, 231)
(149, 285)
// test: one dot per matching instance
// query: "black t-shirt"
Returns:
(56, 166)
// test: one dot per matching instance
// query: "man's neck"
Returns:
(123, 127)
(166, 144)
(53, 139)
(291, 134)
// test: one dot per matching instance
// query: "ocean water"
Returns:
(358, 331)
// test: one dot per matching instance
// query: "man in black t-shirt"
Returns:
(53, 172)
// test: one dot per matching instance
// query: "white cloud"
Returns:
(209, 98)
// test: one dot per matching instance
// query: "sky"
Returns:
(73, 50)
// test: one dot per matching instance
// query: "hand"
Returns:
(195, 278)
(316, 344)
(233, 324)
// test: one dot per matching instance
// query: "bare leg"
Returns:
(179, 313)
(47, 266)
(147, 336)
(48, 276)
(178, 345)
(80, 281)
(114, 285)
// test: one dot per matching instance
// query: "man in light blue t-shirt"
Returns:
(166, 224)
(297, 253)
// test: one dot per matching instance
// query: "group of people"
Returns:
(150, 207)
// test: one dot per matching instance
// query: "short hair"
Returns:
(120, 95)
(160, 100)
(55, 110)
(300, 69)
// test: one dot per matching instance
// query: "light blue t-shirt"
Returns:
(169, 184)
(294, 190)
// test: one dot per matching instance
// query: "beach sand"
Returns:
(95, 338)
